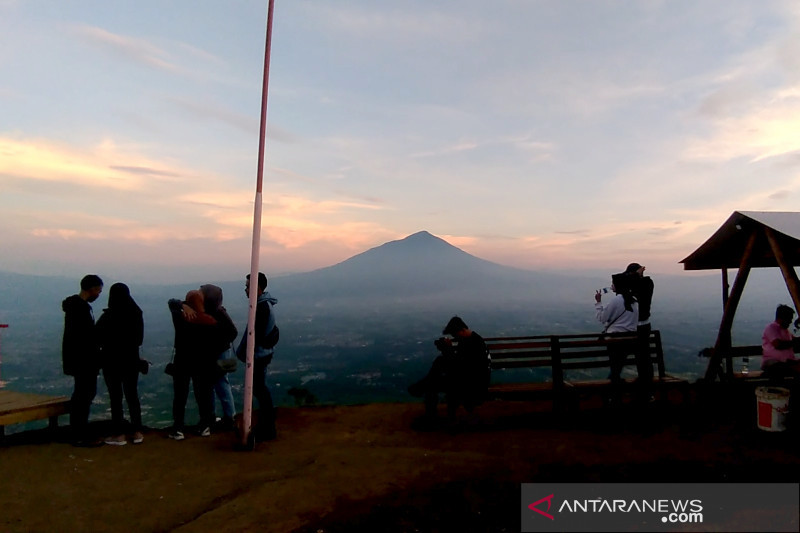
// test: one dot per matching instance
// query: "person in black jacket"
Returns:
(462, 371)
(120, 331)
(80, 356)
(199, 339)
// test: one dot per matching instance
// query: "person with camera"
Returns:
(621, 314)
(462, 372)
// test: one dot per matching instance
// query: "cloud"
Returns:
(137, 50)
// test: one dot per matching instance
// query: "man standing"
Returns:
(642, 287)
(264, 337)
(81, 355)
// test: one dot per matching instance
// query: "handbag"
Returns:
(227, 361)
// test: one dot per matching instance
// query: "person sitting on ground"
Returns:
(777, 344)
(462, 372)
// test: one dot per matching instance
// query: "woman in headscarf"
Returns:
(212, 296)
(120, 330)
(621, 314)
(194, 361)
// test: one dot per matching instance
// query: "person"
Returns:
(462, 372)
(642, 287)
(777, 345)
(80, 356)
(198, 341)
(212, 297)
(265, 322)
(120, 332)
(621, 314)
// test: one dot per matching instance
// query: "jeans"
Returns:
(223, 390)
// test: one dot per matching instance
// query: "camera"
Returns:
(443, 344)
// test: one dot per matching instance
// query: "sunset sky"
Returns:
(551, 134)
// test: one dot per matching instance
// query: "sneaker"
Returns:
(176, 435)
(138, 438)
(87, 443)
(116, 440)
(205, 432)
(223, 424)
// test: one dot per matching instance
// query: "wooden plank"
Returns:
(17, 407)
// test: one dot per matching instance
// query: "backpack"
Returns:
(269, 340)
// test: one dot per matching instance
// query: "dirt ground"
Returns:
(366, 468)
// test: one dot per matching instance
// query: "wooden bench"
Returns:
(732, 366)
(572, 361)
(18, 407)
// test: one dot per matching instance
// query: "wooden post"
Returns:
(789, 275)
(723, 343)
(726, 287)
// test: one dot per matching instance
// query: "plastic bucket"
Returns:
(773, 406)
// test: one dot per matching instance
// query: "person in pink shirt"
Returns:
(777, 344)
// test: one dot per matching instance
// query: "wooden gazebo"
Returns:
(748, 239)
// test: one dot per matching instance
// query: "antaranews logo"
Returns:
(549, 500)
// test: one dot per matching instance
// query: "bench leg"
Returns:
(53, 426)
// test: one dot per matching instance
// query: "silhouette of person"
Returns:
(212, 296)
(262, 356)
(80, 356)
(198, 341)
(120, 332)
(621, 314)
(462, 372)
(777, 345)
(642, 288)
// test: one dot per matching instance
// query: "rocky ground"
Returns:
(369, 468)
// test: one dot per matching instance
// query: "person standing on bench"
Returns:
(642, 288)
(621, 314)
(80, 356)
(462, 372)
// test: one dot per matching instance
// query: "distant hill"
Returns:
(423, 268)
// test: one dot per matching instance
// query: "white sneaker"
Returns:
(117, 440)
(137, 438)
(206, 432)
(176, 435)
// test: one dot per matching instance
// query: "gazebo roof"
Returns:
(725, 248)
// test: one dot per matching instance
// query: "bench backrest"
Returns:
(571, 352)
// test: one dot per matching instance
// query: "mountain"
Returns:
(420, 267)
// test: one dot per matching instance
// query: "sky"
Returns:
(540, 134)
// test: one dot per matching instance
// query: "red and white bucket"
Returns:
(773, 406)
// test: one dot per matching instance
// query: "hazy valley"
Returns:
(362, 330)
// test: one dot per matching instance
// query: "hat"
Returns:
(632, 268)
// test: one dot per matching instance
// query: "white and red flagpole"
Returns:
(247, 414)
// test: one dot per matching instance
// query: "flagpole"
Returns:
(256, 245)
